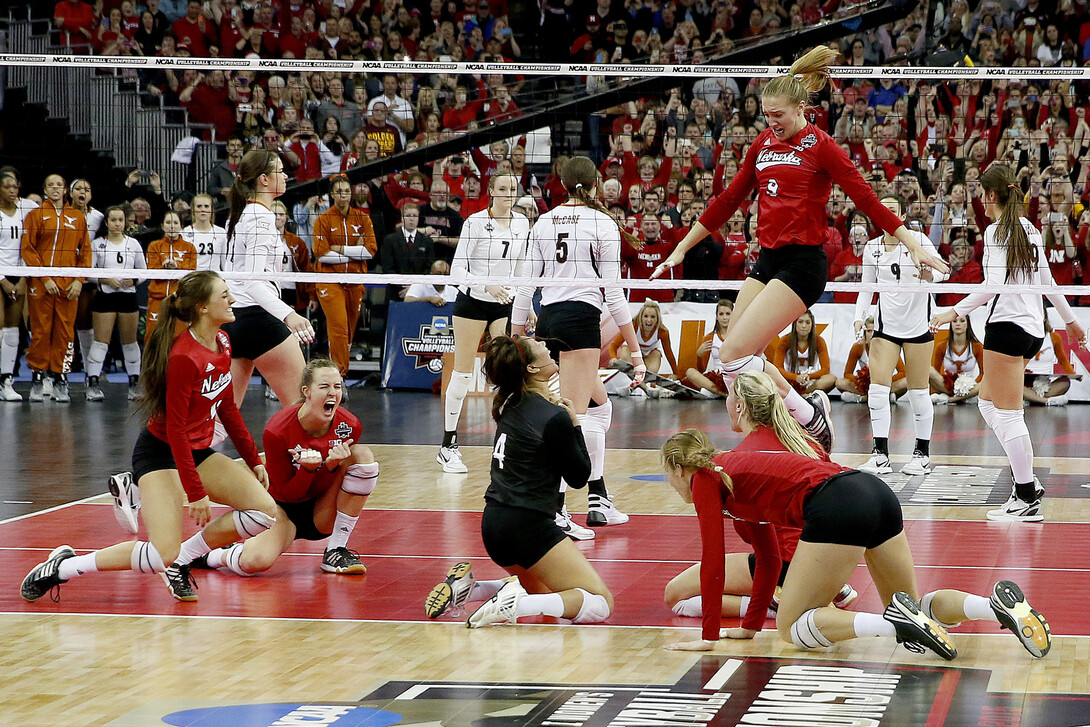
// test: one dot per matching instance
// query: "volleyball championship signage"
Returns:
(717, 691)
(417, 336)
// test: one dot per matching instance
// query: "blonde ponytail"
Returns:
(692, 450)
(764, 407)
(808, 75)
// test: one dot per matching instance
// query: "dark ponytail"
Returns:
(506, 366)
(1021, 254)
(579, 175)
(252, 166)
(194, 290)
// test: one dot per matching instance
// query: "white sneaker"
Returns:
(849, 398)
(451, 459)
(1024, 621)
(60, 392)
(846, 596)
(709, 394)
(940, 399)
(920, 464)
(8, 392)
(1060, 400)
(821, 426)
(652, 391)
(270, 394)
(638, 393)
(601, 511)
(452, 593)
(878, 464)
(501, 608)
(1015, 510)
(126, 501)
(47, 386)
(571, 528)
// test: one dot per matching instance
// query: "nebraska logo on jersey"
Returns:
(768, 158)
(210, 388)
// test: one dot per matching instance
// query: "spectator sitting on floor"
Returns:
(437, 295)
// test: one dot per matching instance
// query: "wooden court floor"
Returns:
(296, 646)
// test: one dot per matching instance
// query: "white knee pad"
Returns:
(805, 633)
(360, 479)
(131, 352)
(923, 412)
(595, 609)
(987, 411)
(602, 415)
(1010, 424)
(10, 336)
(95, 358)
(146, 559)
(458, 386)
(925, 605)
(231, 560)
(249, 523)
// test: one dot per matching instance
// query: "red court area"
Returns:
(408, 551)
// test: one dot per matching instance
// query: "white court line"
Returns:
(417, 689)
(723, 675)
(85, 500)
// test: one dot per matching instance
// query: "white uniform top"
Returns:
(126, 254)
(1044, 363)
(960, 363)
(486, 249)
(257, 247)
(94, 222)
(900, 314)
(578, 243)
(1022, 309)
(420, 290)
(649, 344)
(211, 247)
(11, 233)
(864, 361)
(287, 263)
(714, 362)
(802, 365)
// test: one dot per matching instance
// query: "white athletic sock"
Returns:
(978, 608)
(216, 556)
(872, 624)
(595, 437)
(691, 607)
(878, 401)
(1010, 427)
(96, 356)
(78, 566)
(132, 358)
(484, 590)
(342, 530)
(9, 349)
(600, 417)
(85, 336)
(192, 549)
(801, 410)
(743, 605)
(923, 412)
(231, 560)
(457, 388)
(541, 604)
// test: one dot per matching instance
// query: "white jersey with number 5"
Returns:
(486, 249)
(903, 313)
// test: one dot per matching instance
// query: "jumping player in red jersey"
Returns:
(793, 166)
(187, 383)
(319, 477)
(777, 477)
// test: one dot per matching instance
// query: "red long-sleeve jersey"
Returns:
(198, 389)
(793, 180)
(284, 436)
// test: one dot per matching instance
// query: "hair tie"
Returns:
(717, 468)
(579, 185)
(799, 76)
(1013, 186)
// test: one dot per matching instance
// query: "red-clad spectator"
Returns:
(501, 107)
(640, 263)
(294, 43)
(555, 191)
(130, 19)
(304, 144)
(963, 269)
(454, 174)
(847, 266)
(75, 20)
(473, 198)
(195, 30)
(413, 192)
(208, 100)
(464, 110)
(737, 261)
(1061, 248)
(265, 25)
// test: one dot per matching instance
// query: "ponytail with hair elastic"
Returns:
(692, 450)
(765, 408)
(579, 176)
(1021, 254)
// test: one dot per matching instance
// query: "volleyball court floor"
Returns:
(420, 521)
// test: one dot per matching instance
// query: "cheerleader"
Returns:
(1014, 256)
(209, 239)
(492, 244)
(266, 332)
(793, 165)
(802, 357)
(13, 211)
(957, 363)
(171, 252)
(778, 476)
(654, 341)
(856, 382)
(580, 242)
(1043, 385)
(706, 376)
(538, 443)
(115, 303)
(187, 384)
(901, 328)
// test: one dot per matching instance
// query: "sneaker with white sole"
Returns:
(1024, 621)
(44, 577)
(126, 501)
(821, 425)
(940, 399)
(134, 388)
(572, 529)
(180, 582)
(7, 389)
(37, 387)
(915, 630)
(47, 386)
(601, 511)
(343, 561)
(502, 608)
(846, 596)
(451, 459)
(920, 464)
(1016, 510)
(60, 391)
(1060, 400)
(94, 391)
(878, 464)
(849, 397)
(452, 593)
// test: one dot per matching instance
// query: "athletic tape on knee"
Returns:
(232, 558)
(878, 403)
(146, 559)
(805, 633)
(987, 411)
(925, 605)
(249, 523)
(923, 412)
(1010, 424)
(131, 351)
(595, 609)
(360, 479)
(96, 357)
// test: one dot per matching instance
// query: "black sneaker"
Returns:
(43, 577)
(180, 582)
(1014, 613)
(200, 563)
(915, 630)
(343, 561)
(821, 426)
(134, 387)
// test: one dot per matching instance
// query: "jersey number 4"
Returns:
(498, 453)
